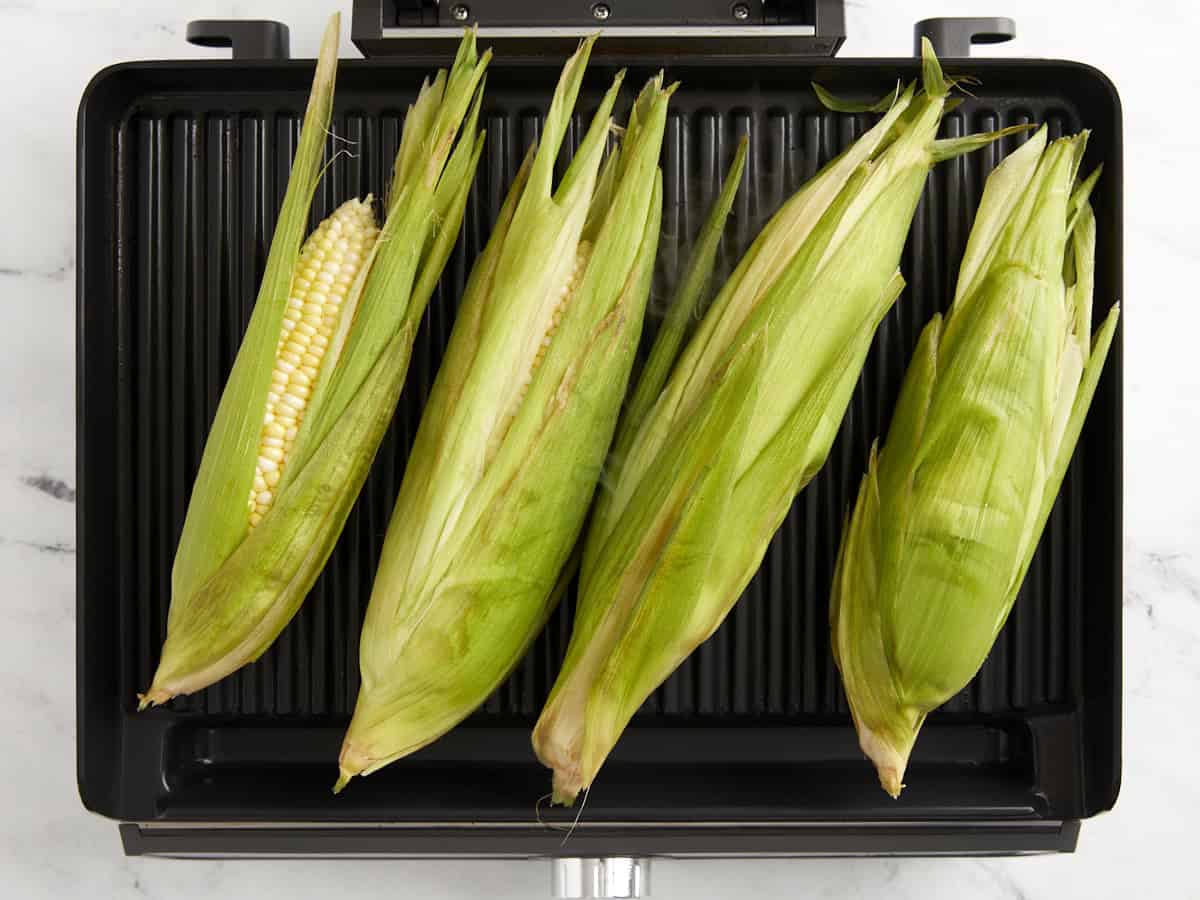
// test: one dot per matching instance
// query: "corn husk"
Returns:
(233, 587)
(515, 431)
(951, 509)
(744, 421)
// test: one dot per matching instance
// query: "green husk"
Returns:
(233, 589)
(683, 311)
(951, 509)
(706, 476)
(515, 431)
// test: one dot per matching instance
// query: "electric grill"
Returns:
(748, 749)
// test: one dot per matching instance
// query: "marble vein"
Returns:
(55, 487)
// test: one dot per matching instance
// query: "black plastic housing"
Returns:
(664, 30)
(748, 748)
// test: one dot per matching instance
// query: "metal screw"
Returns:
(460, 12)
(741, 12)
(601, 11)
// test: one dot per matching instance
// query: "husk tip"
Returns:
(890, 762)
(891, 778)
(932, 77)
(584, 49)
(330, 39)
(351, 762)
(565, 788)
(153, 697)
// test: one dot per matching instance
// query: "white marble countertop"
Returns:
(50, 847)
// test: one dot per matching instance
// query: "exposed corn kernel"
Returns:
(582, 254)
(334, 251)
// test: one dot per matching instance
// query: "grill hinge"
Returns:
(664, 29)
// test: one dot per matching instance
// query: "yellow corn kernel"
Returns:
(582, 254)
(335, 251)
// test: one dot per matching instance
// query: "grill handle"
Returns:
(249, 38)
(954, 35)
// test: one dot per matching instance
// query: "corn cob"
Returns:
(951, 509)
(315, 381)
(331, 259)
(709, 473)
(515, 431)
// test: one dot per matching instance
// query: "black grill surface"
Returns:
(182, 172)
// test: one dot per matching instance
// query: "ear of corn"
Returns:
(314, 383)
(515, 431)
(685, 525)
(951, 509)
(217, 516)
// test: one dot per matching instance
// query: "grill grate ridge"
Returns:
(198, 195)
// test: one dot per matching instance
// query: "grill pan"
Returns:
(748, 748)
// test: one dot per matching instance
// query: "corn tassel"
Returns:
(315, 382)
(515, 431)
(707, 476)
(951, 508)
